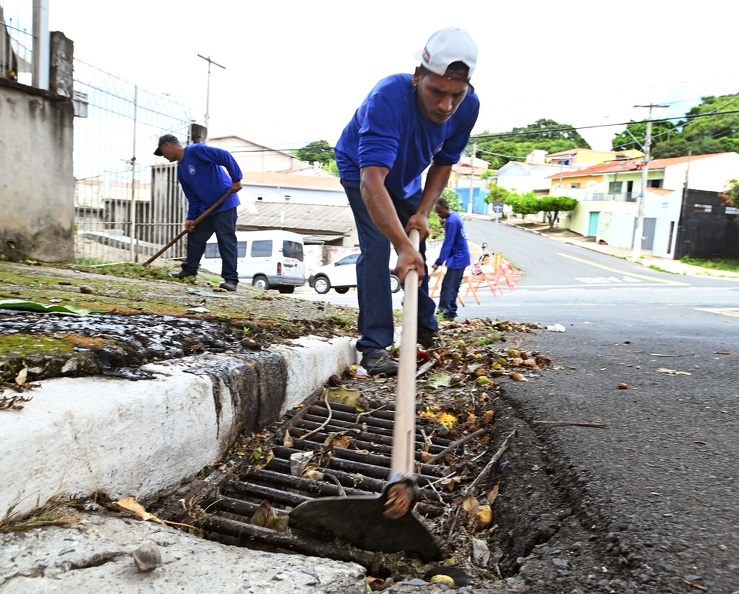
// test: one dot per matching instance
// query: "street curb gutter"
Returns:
(79, 436)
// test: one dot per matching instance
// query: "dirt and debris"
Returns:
(498, 515)
(50, 327)
(482, 527)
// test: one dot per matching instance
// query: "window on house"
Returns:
(614, 187)
(654, 183)
(574, 184)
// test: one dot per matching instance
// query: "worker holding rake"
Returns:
(406, 123)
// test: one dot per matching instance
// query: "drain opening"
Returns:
(341, 452)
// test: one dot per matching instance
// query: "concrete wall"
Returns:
(36, 175)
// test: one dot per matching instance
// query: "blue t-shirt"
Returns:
(203, 179)
(454, 251)
(389, 131)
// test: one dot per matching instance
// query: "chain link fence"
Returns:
(128, 204)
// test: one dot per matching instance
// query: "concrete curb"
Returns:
(79, 436)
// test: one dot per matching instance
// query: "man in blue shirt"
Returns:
(406, 123)
(455, 253)
(206, 173)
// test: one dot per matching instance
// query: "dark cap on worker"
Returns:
(445, 47)
(162, 140)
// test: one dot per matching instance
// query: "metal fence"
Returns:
(16, 40)
(127, 201)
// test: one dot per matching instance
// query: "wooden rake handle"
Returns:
(402, 461)
(180, 235)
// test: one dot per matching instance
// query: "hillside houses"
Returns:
(608, 195)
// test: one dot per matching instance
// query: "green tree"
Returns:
(553, 206)
(523, 204)
(710, 127)
(319, 151)
(635, 136)
(547, 135)
(497, 194)
(731, 195)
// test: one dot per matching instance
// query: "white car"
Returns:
(342, 276)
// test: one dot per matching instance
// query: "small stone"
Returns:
(86, 290)
(147, 557)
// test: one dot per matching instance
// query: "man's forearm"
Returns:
(436, 180)
(381, 209)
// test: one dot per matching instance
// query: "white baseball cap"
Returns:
(445, 47)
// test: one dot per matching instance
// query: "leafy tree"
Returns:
(319, 151)
(454, 199)
(553, 206)
(707, 128)
(635, 135)
(548, 130)
(544, 134)
(497, 194)
(731, 195)
(523, 204)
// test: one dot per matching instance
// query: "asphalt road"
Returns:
(654, 356)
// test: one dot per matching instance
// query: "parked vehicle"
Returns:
(270, 259)
(342, 276)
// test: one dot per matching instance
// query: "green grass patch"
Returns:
(725, 264)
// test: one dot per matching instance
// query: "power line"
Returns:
(685, 119)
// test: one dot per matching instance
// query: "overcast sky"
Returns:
(295, 70)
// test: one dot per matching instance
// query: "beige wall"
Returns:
(36, 175)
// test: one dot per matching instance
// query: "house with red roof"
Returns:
(609, 194)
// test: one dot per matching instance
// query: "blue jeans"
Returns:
(375, 320)
(449, 291)
(223, 224)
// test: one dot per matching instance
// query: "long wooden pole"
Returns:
(211, 208)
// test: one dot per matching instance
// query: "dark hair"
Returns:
(443, 202)
(459, 69)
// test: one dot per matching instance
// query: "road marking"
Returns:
(734, 312)
(631, 274)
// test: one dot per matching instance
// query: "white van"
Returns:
(270, 259)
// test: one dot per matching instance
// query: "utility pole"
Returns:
(639, 230)
(472, 175)
(207, 94)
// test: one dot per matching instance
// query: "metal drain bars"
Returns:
(327, 450)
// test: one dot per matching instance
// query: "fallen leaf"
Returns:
(492, 494)
(20, 379)
(439, 380)
(340, 441)
(518, 377)
(129, 504)
(341, 394)
(470, 504)
(623, 386)
(267, 517)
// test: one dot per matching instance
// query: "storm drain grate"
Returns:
(328, 450)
